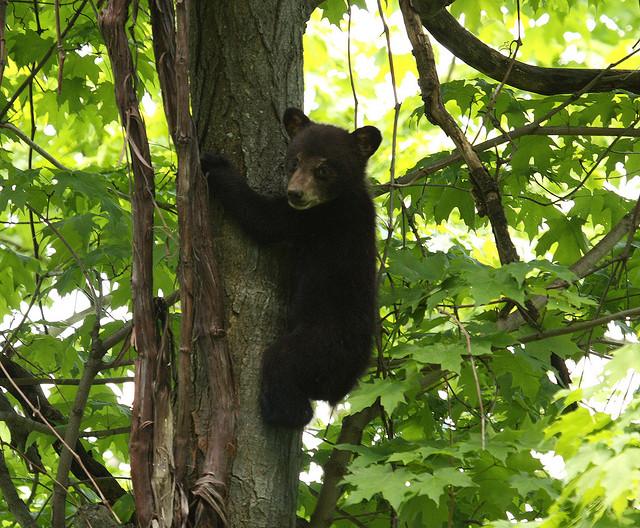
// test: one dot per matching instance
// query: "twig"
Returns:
(351, 79)
(23, 137)
(629, 223)
(578, 327)
(60, 47)
(483, 418)
(76, 257)
(65, 381)
(394, 141)
(8, 342)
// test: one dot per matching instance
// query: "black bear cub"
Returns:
(328, 219)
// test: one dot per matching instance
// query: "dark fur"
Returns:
(333, 308)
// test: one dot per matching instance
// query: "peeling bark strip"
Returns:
(545, 81)
(485, 188)
(202, 330)
(112, 25)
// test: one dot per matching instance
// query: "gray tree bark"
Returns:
(246, 66)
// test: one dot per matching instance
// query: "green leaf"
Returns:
(394, 485)
(436, 485)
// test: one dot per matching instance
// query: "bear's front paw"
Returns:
(212, 162)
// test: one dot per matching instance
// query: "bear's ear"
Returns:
(294, 121)
(368, 139)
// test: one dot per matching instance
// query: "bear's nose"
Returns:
(294, 196)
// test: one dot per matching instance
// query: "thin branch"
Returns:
(60, 47)
(350, 65)
(412, 178)
(8, 343)
(579, 327)
(64, 381)
(628, 224)
(483, 417)
(76, 257)
(26, 139)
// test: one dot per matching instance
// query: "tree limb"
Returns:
(72, 431)
(627, 225)
(545, 81)
(527, 130)
(485, 189)
(578, 327)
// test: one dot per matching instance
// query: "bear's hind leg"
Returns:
(282, 401)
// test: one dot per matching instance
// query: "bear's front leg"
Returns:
(265, 219)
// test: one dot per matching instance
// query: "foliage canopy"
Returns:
(465, 406)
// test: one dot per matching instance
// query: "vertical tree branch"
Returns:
(202, 323)
(206, 294)
(112, 25)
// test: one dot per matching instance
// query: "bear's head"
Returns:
(324, 161)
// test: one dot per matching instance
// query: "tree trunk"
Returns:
(246, 70)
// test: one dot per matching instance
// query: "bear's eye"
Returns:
(323, 172)
(292, 164)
